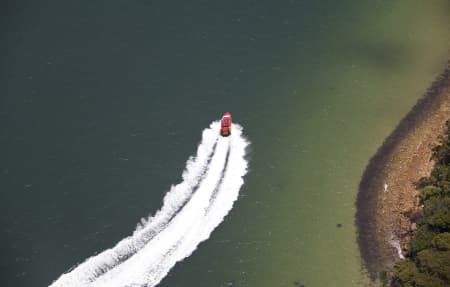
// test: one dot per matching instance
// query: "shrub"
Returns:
(428, 192)
(441, 241)
(408, 275)
(437, 213)
(434, 262)
(422, 239)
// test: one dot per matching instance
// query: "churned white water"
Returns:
(190, 212)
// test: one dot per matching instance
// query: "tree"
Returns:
(428, 264)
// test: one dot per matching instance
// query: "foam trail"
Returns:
(191, 211)
(228, 191)
(219, 206)
(173, 200)
(143, 265)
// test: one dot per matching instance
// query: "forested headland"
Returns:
(428, 260)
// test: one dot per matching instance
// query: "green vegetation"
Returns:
(383, 278)
(428, 262)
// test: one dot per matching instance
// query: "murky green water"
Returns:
(103, 103)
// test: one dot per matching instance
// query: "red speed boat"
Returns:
(225, 125)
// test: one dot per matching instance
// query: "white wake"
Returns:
(191, 210)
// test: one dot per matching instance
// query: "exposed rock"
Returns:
(402, 160)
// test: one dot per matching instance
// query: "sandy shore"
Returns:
(387, 192)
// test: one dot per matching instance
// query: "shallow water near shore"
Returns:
(104, 104)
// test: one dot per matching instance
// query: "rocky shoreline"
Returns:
(387, 196)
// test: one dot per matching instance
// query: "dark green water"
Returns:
(103, 102)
